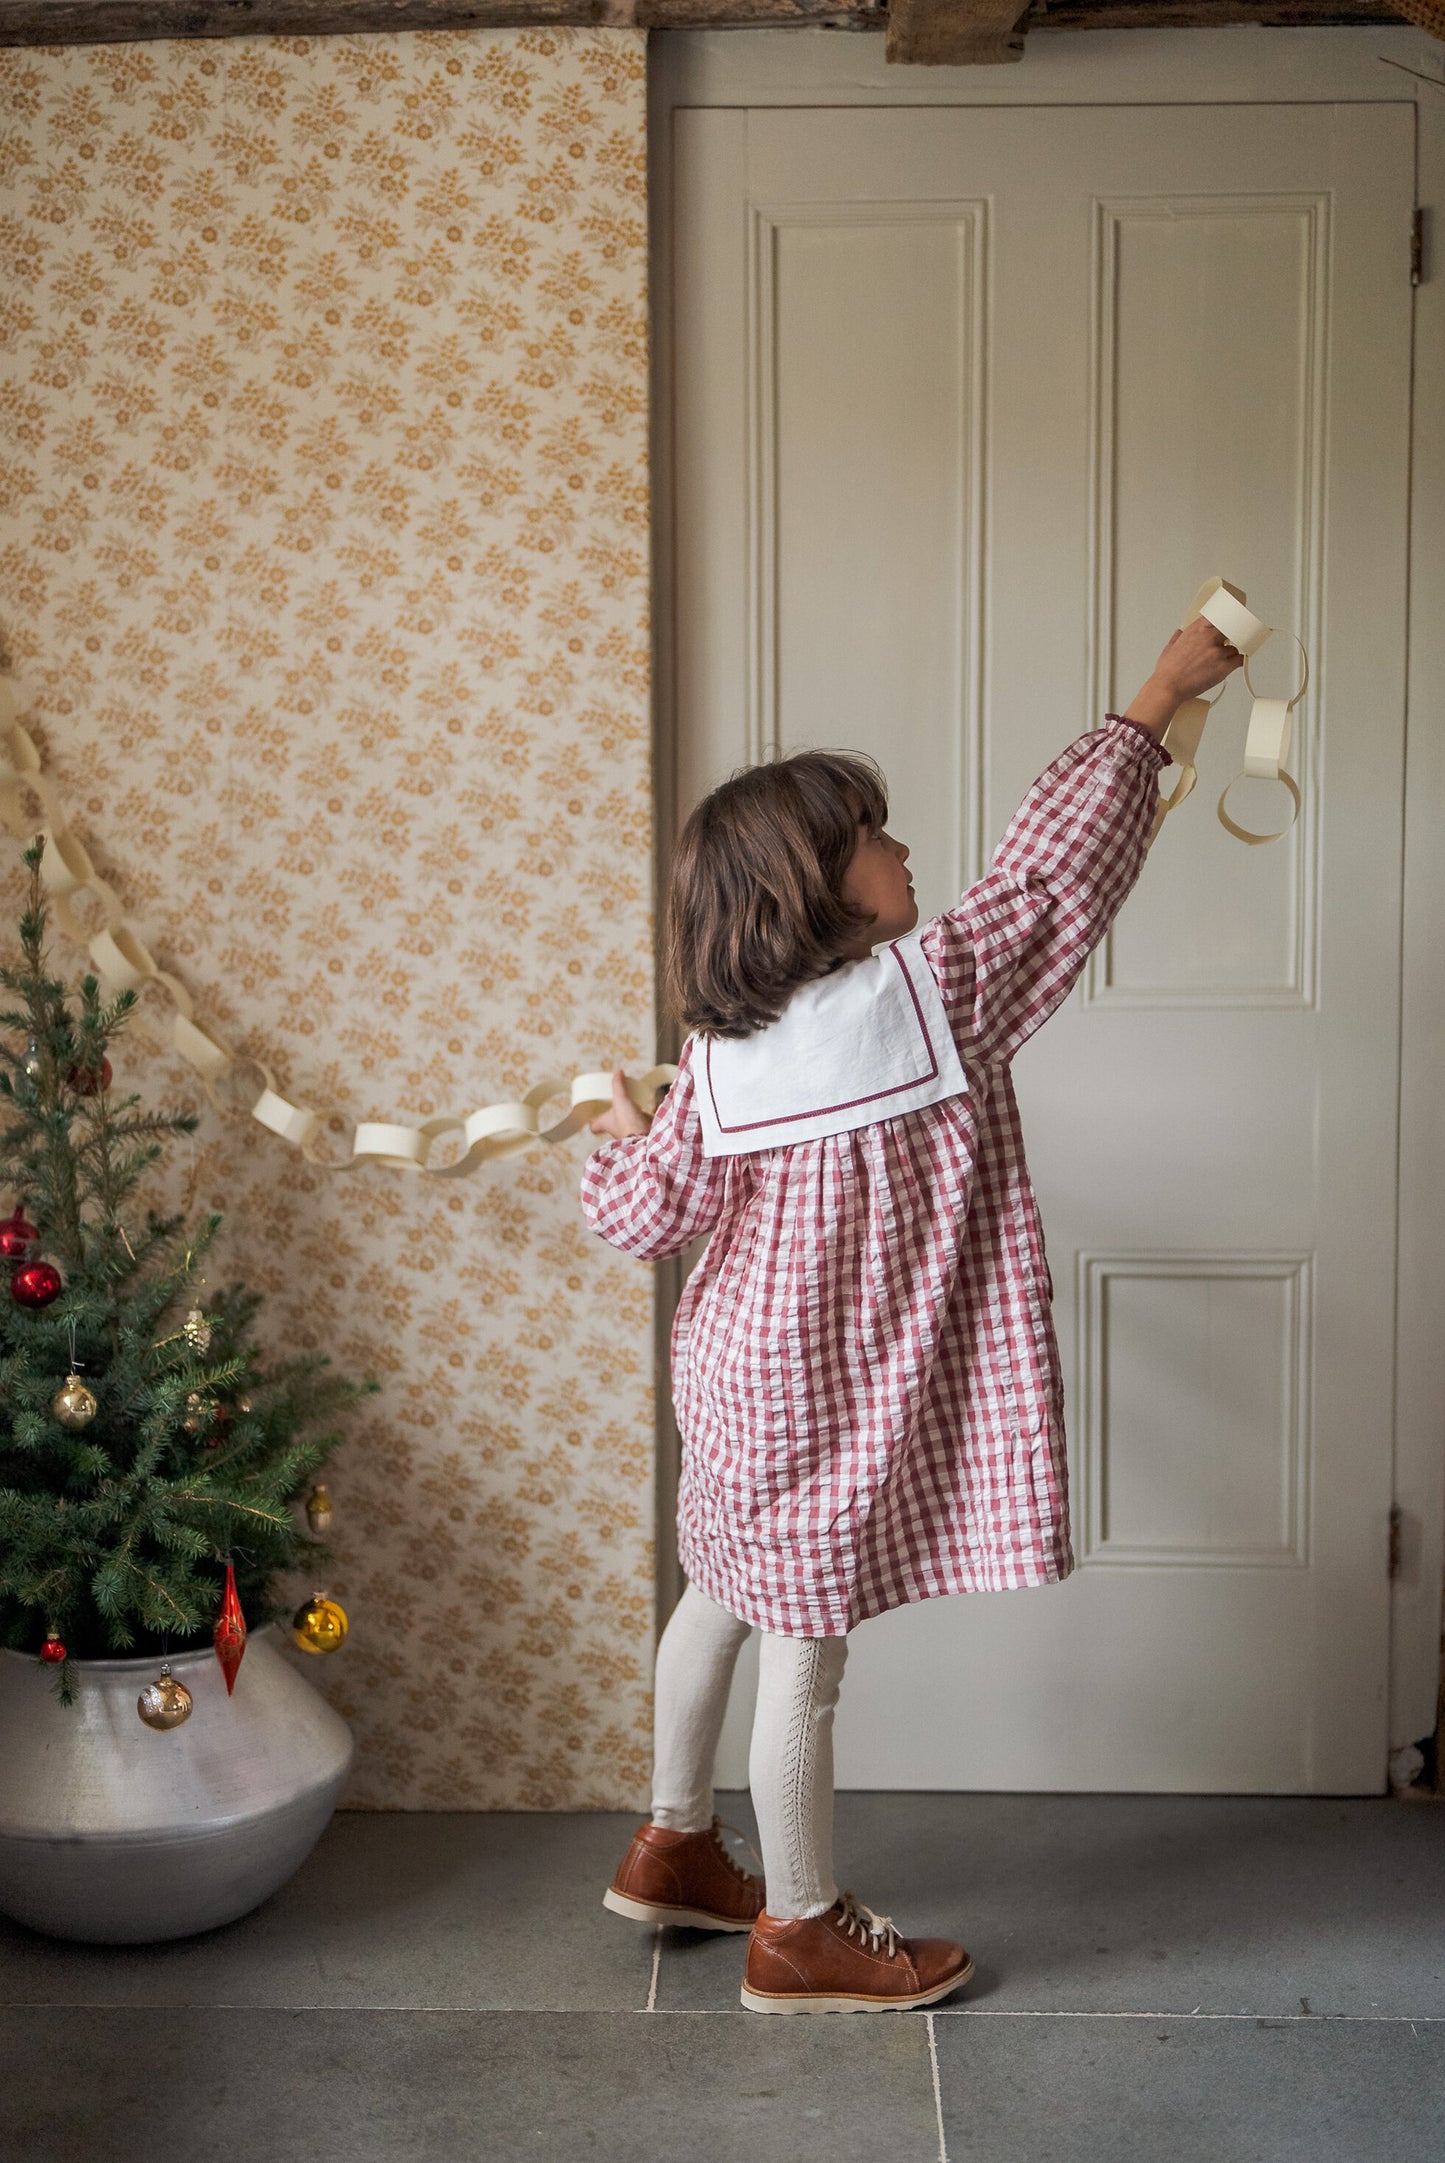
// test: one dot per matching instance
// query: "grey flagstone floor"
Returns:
(1203, 1979)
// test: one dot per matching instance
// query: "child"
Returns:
(864, 1364)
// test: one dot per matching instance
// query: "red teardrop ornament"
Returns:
(230, 1631)
(18, 1237)
(35, 1285)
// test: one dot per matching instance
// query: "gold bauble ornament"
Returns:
(198, 1331)
(194, 1420)
(244, 1404)
(318, 1509)
(73, 1406)
(164, 1703)
(318, 1624)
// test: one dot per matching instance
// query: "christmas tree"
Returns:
(144, 1443)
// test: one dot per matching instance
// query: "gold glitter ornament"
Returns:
(194, 1420)
(198, 1331)
(164, 1703)
(318, 1509)
(319, 1624)
(73, 1406)
(244, 1404)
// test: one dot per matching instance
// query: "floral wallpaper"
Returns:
(324, 577)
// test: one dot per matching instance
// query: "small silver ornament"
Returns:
(164, 1703)
(198, 1331)
(32, 1061)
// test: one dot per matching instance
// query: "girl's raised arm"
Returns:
(1010, 951)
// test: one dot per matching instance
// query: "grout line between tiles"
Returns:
(1274, 2020)
(704, 2012)
(937, 2091)
(651, 2005)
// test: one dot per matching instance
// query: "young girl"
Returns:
(864, 1363)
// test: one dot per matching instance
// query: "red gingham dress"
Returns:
(864, 1363)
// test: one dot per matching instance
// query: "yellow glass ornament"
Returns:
(165, 1703)
(318, 1509)
(73, 1406)
(319, 1624)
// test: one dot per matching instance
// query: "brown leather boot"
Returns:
(688, 1878)
(847, 1961)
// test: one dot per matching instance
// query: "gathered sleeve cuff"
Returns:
(652, 1194)
(1010, 951)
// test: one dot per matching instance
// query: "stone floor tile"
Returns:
(1139, 1903)
(402, 2087)
(417, 1908)
(1111, 2090)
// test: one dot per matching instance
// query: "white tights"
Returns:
(790, 1762)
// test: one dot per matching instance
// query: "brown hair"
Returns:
(754, 907)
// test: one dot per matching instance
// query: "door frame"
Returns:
(1245, 65)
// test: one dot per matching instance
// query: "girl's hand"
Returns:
(624, 1118)
(1196, 658)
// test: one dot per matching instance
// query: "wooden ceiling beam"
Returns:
(955, 33)
(921, 31)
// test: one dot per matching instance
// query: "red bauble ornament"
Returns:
(52, 1651)
(35, 1284)
(18, 1237)
(85, 1081)
(230, 1631)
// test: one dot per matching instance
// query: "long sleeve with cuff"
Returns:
(652, 1194)
(1012, 948)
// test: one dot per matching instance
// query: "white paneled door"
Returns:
(967, 404)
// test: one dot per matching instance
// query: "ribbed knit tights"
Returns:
(790, 1762)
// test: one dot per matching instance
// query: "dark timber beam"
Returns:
(955, 33)
(918, 30)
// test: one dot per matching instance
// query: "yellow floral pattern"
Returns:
(324, 577)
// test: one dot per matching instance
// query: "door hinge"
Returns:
(1397, 1519)
(1417, 247)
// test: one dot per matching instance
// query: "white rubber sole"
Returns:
(762, 2001)
(652, 1911)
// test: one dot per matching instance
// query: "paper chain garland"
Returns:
(66, 871)
(1267, 744)
(499, 1130)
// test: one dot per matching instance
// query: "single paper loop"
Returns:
(1267, 745)
(121, 959)
(1304, 682)
(1242, 833)
(19, 758)
(293, 1122)
(1220, 607)
(209, 1058)
(64, 864)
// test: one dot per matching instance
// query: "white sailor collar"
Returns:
(867, 1042)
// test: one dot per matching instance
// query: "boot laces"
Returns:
(856, 1916)
(718, 1828)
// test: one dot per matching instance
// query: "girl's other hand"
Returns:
(623, 1118)
(1196, 659)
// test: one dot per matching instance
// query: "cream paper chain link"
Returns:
(125, 964)
(1267, 742)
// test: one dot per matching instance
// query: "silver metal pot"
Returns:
(117, 1834)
